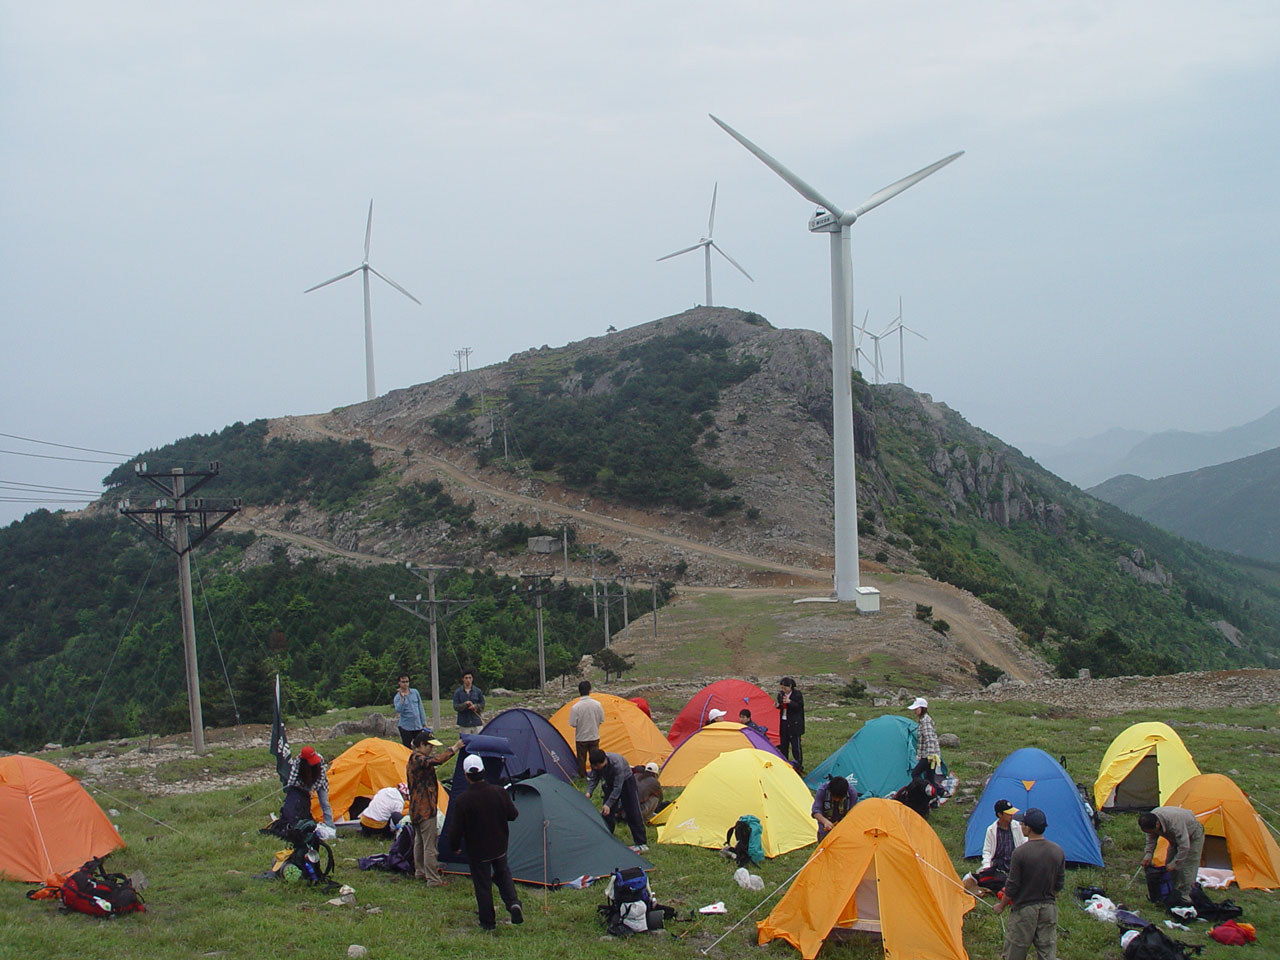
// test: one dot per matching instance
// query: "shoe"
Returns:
(517, 912)
(488, 927)
(640, 848)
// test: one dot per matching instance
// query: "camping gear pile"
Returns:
(93, 891)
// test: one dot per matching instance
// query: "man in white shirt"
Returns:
(585, 716)
(1003, 836)
(384, 812)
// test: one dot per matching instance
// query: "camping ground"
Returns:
(203, 902)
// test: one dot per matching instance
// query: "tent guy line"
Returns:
(817, 853)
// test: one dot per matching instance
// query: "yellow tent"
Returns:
(1226, 814)
(1141, 768)
(884, 871)
(364, 769)
(701, 747)
(626, 730)
(735, 784)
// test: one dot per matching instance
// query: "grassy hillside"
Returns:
(203, 901)
(1232, 506)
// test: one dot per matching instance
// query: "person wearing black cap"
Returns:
(479, 817)
(1003, 836)
(1037, 872)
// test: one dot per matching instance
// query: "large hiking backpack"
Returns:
(744, 839)
(1160, 887)
(93, 891)
(1152, 943)
(1206, 909)
(629, 906)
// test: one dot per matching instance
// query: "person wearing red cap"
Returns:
(307, 775)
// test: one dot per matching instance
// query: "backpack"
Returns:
(743, 838)
(629, 906)
(1160, 887)
(1234, 934)
(93, 891)
(1151, 943)
(398, 859)
(1206, 909)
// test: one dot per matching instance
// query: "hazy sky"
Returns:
(175, 175)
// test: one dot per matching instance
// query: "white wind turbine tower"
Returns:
(365, 270)
(877, 363)
(707, 245)
(832, 219)
(902, 363)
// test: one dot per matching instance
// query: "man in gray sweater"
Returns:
(620, 794)
(1037, 871)
(1186, 843)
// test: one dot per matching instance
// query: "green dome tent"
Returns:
(558, 837)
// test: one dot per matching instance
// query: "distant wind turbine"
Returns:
(832, 219)
(877, 364)
(365, 269)
(707, 245)
(902, 363)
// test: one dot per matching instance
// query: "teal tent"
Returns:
(558, 838)
(877, 760)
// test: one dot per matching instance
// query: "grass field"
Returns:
(203, 902)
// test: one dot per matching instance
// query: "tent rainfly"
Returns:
(1236, 837)
(1031, 778)
(51, 825)
(626, 730)
(1142, 768)
(734, 784)
(882, 871)
(877, 759)
(537, 746)
(703, 746)
(558, 837)
(731, 696)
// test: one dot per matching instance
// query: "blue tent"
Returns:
(1031, 778)
(877, 759)
(536, 745)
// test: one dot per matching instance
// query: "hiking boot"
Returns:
(640, 848)
(517, 912)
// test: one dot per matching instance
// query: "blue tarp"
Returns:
(877, 760)
(1031, 778)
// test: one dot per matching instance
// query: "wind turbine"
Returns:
(365, 269)
(878, 362)
(832, 219)
(902, 362)
(707, 245)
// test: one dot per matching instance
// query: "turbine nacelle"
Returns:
(823, 221)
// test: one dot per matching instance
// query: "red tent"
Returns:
(729, 696)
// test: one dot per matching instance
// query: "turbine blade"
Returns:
(802, 188)
(368, 232)
(909, 330)
(396, 285)
(696, 246)
(341, 276)
(716, 247)
(711, 220)
(890, 328)
(891, 191)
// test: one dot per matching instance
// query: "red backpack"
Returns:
(93, 891)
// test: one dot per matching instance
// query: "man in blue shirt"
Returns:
(411, 718)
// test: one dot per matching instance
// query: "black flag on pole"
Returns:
(280, 740)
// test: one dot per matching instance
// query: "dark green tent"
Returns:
(559, 837)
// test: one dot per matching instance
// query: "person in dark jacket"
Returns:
(791, 722)
(834, 799)
(479, 818)
(620, 794)
(648, 789)
(468, 702)
(1037, 872)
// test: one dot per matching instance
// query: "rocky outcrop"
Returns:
(1140, 568)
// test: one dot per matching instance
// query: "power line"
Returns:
(65, 446)
(47, 499)
(49, 456)
(22, 485)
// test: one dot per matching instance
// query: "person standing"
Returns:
(791, 721)
(468, 701)
(585, 716)
(424, 803)
(308, 774)
(834, 799)
(928, 749)
(619, 791)
(411, 718)
(1186, 843)
(479, 817)
(1037, 871)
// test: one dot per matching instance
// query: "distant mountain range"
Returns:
(1232, 506)
(1089, 461)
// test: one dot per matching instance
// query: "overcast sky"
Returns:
(175, 175)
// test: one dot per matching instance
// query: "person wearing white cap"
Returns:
(648, 789)
(928, 750)
(479, 817)
(715, 716)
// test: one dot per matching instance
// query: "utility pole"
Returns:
(626, 620)
(653, 576)
(608, 597)
(537, 589)
(564, 536)
(177, 507)
(411, 607)
(595, 602)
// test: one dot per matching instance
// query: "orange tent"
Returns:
(700, 748)
(884, 871)
(51, 825)
(364, 769)
(626, 730)
(1226, 814)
